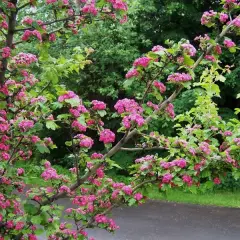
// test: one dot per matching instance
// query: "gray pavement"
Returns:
(170, 221)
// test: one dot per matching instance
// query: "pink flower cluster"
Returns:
(50, 174)
(223, 17)
(67, 95)
(132, 73)
(181, 163)
(127, 106)
(187, 179)
(90, 8)
(217, 181)
(96, 156)
(179, 77)
(85, 141)
(103, 219)
(27, 20)
(158, 48)
(119, 4)
(143, 62)
(237, 141)
(160, 86)
(6, 52)
(138, 196)
(170, 110)
(210, 58)
(208, 17)
(229, 43)
(98, 105)
(78, 126)
(205, 148)
(27, 34)
(25, 125)
(167, 178)
(236, 22)
(189, 49)
(107, 136)
(133, 118)
(25, 59)
(76, 112)
(146, 163)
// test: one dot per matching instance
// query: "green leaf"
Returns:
(74, 102)
(127, 83)
(30, 208)
(131, 202)
(102, 113)
(188, 61)
(51, 125)
(42, 148)
(81, 120)
(36, 219)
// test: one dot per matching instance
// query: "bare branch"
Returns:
(142, 149)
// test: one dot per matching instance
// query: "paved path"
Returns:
(169, 221)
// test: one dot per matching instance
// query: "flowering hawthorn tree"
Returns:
(204, 148)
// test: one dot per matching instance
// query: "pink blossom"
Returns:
(133, 118)
(127, 106)
(182, 163)
(143, 61)
(5, 156)
(170, 110)
(167, 178)
(205, 148)
(27, 34)
(27, 20)
(227, 133)
(218, 49)
(236, 22)
(119, 4)
(217, 181)
(20, 171)
(47, 164)
(50, 174)
(19, 226)
(25, 125)
(90, 8)
(208, 17)
(223, 17)
(107, 136)
(158, 48)
(160, 86)
(100, 172)
(229, 43)
(179, 77)
(96, 156)
(64, 189)
(187, 179)
(189, 49)
(78, 126)
(85, 141)
(127, 190)
(25, 59)
(210, 58)
(6, 52)
(98, 105)
(132, 73)
(138, 196)
(152, 105)
(52, 37)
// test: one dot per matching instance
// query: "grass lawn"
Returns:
(218, 198)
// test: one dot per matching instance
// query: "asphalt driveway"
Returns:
(171, 221)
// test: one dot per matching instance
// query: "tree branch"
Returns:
(142, 149)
